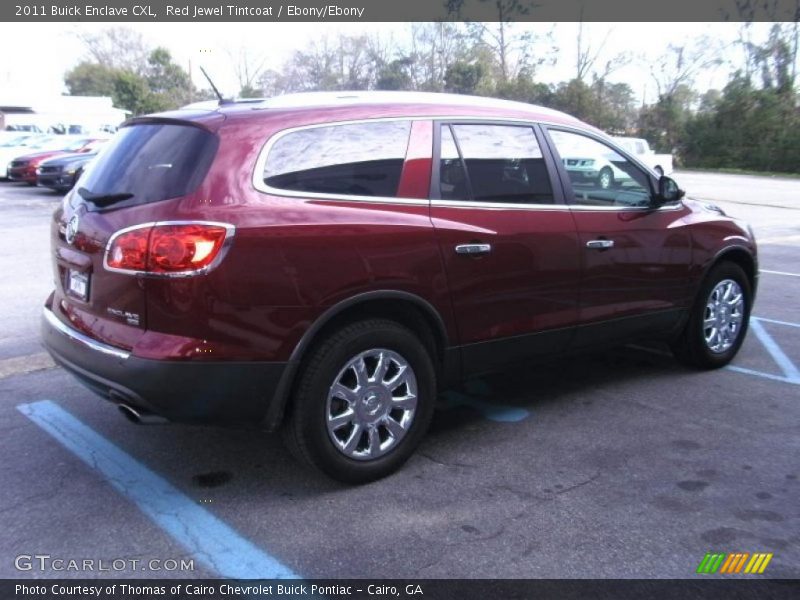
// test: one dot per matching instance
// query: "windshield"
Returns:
(150, 162)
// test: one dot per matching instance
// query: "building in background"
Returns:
(60, 114)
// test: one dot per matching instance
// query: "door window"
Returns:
(600, 176)
(493, 163)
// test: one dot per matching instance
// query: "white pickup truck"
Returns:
(660, 163)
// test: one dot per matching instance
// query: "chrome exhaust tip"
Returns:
(140, 417)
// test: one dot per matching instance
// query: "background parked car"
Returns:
(23, 168)
(18, 144)
(61, 173)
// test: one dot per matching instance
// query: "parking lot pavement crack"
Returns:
(475, 539)
(578, 485)
(446, 464)
(524, 495)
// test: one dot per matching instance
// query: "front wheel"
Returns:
(605, 179)
(718, 320)
(364, 401)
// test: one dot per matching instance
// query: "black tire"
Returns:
(306, 429)
(605, 179)
(690, 347)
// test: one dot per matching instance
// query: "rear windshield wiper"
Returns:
(103, 200)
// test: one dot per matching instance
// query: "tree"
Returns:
(511, 47)
(167, 79)
(395, 75)
(463, 78)
(433, 48)
(116, 48)
(91, 79)
(248, 66)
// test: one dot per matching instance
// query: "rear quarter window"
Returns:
(359, 159)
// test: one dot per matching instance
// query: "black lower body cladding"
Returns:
(224, 393)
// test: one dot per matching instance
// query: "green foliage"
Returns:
(395, 75)
(463, 78)
(159, 85)
(746, 128)
(607, 106)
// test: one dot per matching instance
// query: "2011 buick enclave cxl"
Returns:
(326, 262)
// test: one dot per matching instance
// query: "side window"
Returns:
(503, 164)
(600, 176)
(360, 159)
(452, 177)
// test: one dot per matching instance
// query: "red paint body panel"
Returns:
(528, 283)
(648, 269)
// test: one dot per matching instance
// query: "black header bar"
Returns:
(398, 10)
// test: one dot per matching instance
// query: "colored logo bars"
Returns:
(734, 563)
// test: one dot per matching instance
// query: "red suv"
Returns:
(326, 262)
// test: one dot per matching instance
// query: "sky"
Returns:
(35, 56)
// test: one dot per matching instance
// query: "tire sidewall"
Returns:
(610, 174)
(697, 339)
(312, 405)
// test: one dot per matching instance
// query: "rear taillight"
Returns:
(168, 249)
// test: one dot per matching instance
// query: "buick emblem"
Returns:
(72, 229)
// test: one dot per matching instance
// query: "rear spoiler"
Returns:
(207, 121)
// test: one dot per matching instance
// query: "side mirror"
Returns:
(668, 190)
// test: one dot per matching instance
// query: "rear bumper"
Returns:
(233, 393)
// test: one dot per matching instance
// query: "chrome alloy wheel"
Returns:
(606, 178)
(723, 317)
(371, 404)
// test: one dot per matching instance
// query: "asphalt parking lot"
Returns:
(621, 464)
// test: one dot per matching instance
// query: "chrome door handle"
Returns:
(473, 249)
(600, 244)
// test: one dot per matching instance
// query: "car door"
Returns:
(636, 254)
(508, 242)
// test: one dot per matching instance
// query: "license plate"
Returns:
(78, 284)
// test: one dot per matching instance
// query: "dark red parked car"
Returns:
(23, 168)
(326, 262)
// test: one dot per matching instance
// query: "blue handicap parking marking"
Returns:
(490, 410)
(209, 540)
(791, 374)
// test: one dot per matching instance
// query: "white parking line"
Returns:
(791, 374)
(25, 364)
(779, 273)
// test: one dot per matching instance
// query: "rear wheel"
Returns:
(364, 401)
(718, 320)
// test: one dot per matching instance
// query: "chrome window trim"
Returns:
(258, 170)
(261, 186)
(81, 338)
(563, 207)
(230, 231)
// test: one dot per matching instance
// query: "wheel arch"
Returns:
(408, 309)
(740, 256)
